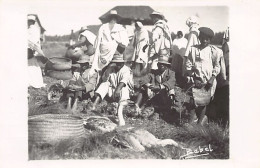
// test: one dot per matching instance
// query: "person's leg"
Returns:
(200, 111)
(124, 96)
(191, 110)
(97, 100)
(69, 95)
(69, 103)
(75, 105)
(101, 92)
(77, 95)
(139, 99)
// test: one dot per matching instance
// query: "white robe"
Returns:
(106, 44)
(141, 38)
(35, 78)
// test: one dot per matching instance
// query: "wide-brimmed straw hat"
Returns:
(84, 59)
(113, 13)
(118, 58)
(139, 24)
(31, 17)
(155, 13)
(164, 60)
(82, 29)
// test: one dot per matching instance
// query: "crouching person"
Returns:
(118, 86)
(158, 87)
(81, 85)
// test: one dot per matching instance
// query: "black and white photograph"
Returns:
(125, 80)
(133, 82)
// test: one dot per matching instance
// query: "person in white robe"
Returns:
(111, 38)
(141, 38)
(161, 39)
(193, 37)
(35, 78)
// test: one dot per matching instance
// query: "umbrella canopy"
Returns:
(131, 13)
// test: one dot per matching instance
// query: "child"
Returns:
(81, 85)
(202, 68)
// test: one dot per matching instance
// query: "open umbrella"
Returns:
(132, 13)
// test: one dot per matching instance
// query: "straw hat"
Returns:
(139, 24)
(118, 58)
(31, 17)
(82, 29)
(83, 59)
(164, 60)
(157, 14)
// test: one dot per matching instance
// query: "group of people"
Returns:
(103, 70)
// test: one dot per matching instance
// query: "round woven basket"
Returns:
(60, 75)
(58, 63)
(52, 128)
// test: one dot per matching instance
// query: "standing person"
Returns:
(34, 48)
(161, 39)
(111, 38)
(179, 47)
(84, 46)
(158, 86)
(82, 85)
(193, 36)
(225, 49)
(141, 38)
(72, 38)
(203, 66)
(118, 86)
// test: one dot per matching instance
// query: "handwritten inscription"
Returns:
(200, 151)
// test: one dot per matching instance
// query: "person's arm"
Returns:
(170, 83)
(146, 80)
(90, 85)
(118, 89)
(156, 36)
(73, 79)
(90, 50)
(216, 68)
(192, 40)
(189, 63)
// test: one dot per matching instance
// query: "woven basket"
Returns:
(201, 96)
(60, 75)
(58, 63)
(52, 128)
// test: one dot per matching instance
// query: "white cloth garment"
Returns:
(204, 63)
(193, 37)
(125, 76)
(179, 46)
(161, 40)
(89, 35)
(141, 38)
(106, 44)
(35, 77)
